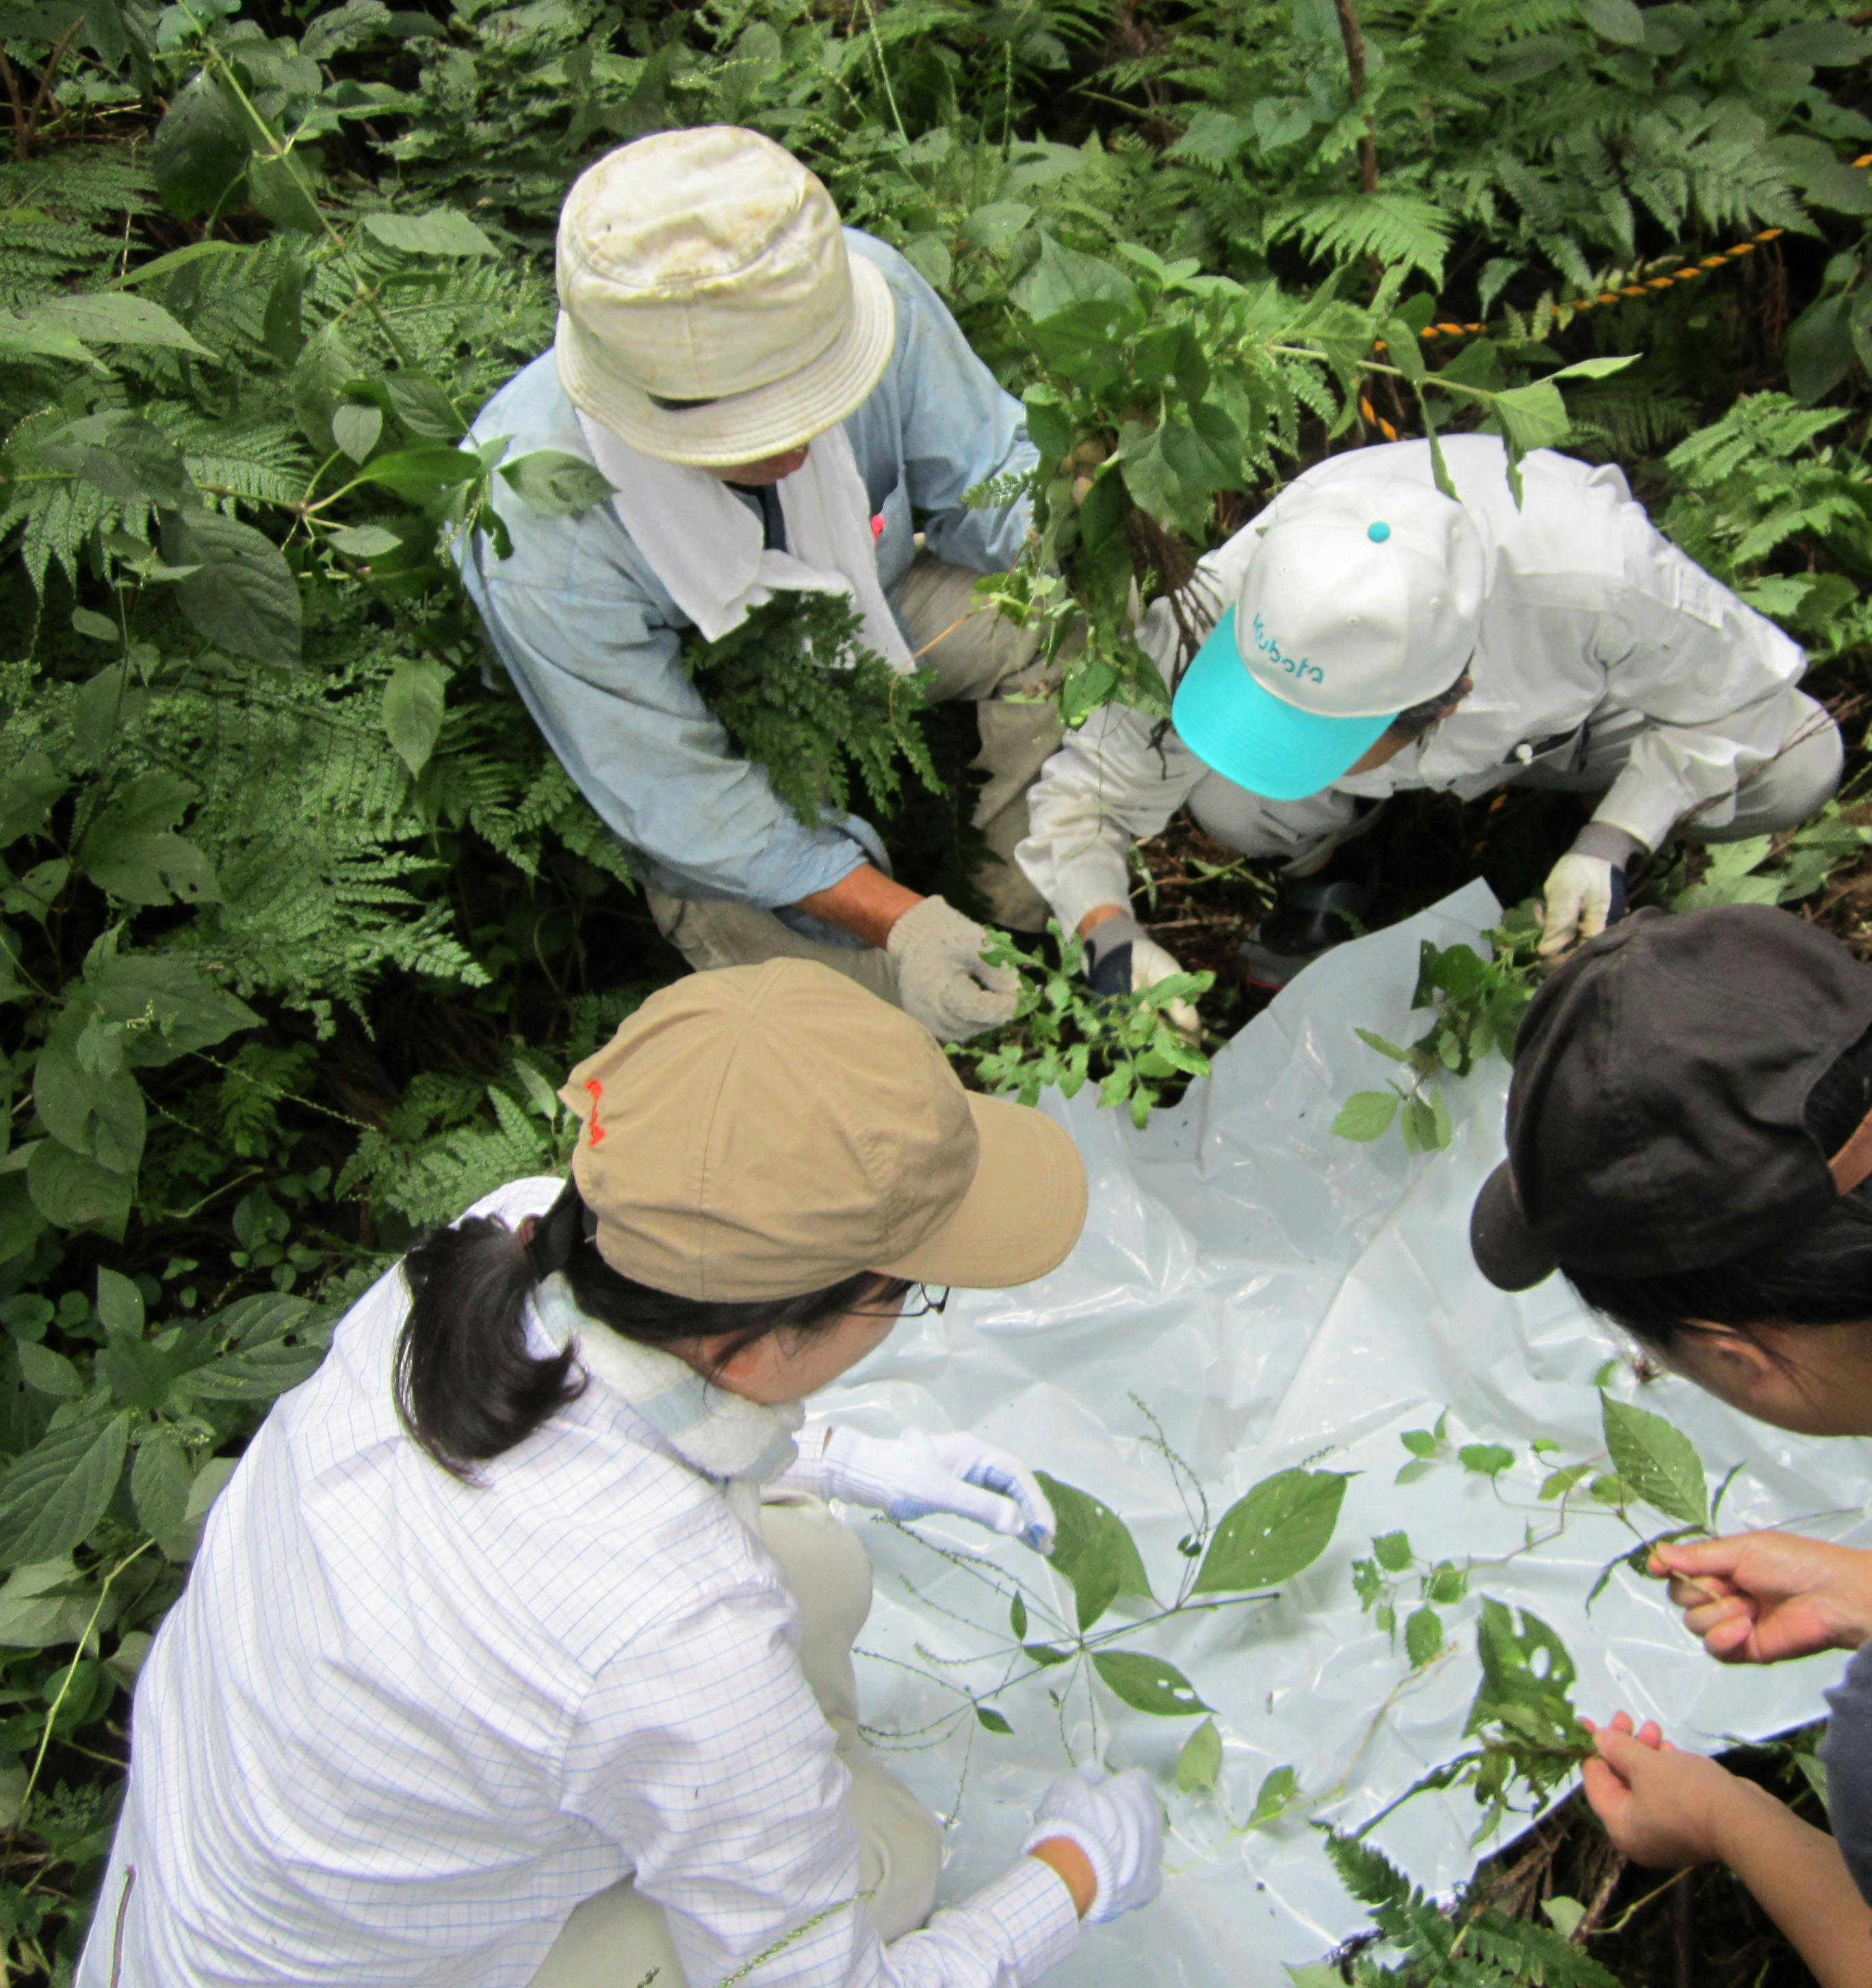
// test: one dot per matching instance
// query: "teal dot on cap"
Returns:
(1379, 532)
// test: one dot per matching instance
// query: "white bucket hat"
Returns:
(708, 265)
(1361, 599)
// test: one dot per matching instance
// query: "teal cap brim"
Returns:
(1251, 737)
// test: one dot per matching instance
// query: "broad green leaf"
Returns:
(1527, 1675)
(1063, 277)
(355, 428)
(1284, 1523)
(441, 231)
(1017, 1617)
(48, 1373)
(1563, 1915)
(413, 708)
(556, 484)
(1387, 1049)
(420, 403)
(114, 317)
(1047, 1654)
(72, 1190)
(1531, 417)
(992, 1720)
(199, 150)
(51, 1497)
(169, 1006)
(243, 598)
(364, 542)
(160, 1482)
(1200, 1760)
(1819, 348)
(1594, 369)
(1366, 1115)
(1392, 1551)
(1485, 1459)
(1657, 1461)
(1147, 1684)
(120, 1303)
(1278, 1791)
(1617, 20)
(421, 475)
(274, 1341)
(1093, 1550)
(104, 1117)
(1423, 1637)
(46, 1603)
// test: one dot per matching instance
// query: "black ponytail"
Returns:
(468, 1386)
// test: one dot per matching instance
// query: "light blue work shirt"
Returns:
(592, 638)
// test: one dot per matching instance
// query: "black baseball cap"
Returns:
(1656, 1118)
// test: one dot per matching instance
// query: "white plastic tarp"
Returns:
(1275, 1295)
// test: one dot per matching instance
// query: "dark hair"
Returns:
(1820, 1275)
(1414, 720)
(467, 1387)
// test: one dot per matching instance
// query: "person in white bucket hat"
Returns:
(780, 404)
(1367, 634)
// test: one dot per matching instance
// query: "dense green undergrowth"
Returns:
(299, 922)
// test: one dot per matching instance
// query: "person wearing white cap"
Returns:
(1367, 634)
(780, 404)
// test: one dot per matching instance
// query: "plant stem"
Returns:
(1353, 35)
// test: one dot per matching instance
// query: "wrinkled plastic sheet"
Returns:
(1274, 1295)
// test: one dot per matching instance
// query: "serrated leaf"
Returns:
(1366, 1115)
(200, 150)
(1423, 1637)
(1147, 1684)
(243, 597)
(1200, 1760)
(1657, 1461)
(1284, 1523)
(51, 1497)
(1392, 1551)
(1485, 1459)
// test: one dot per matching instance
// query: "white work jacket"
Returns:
(1589, 614)
(398, 1726)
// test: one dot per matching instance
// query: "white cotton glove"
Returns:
(941, 978)
(1115, 1819)
(1122, 958)
(910, 1477)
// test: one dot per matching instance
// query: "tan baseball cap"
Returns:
(707, 266)
(764, 1131)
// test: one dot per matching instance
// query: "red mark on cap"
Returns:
(877, 526)
(591, 1124)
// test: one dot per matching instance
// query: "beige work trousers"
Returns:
(619, 1939)
(974, 653)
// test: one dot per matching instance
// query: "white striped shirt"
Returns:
(399, 1726)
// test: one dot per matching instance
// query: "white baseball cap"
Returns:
(709, 266)
(1361, 599)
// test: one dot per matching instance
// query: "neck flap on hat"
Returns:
(706, 546)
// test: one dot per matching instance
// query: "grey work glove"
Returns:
(942, 979)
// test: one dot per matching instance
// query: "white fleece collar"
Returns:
(721, 1435)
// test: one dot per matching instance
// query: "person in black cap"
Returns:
(1690, 1141)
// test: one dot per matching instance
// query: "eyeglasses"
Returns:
(919, 1301)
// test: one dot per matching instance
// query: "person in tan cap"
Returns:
(519, 1648)
(780, 405)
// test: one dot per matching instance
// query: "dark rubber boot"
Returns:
(1308, 920)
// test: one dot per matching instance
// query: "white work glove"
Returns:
(910, 1477)
(942, 979)
(1121, 958)
(1585, 890)
(1115, 1819)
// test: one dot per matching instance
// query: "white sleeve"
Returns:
(1114, 781)
(1709, 674)
(701, 1753)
